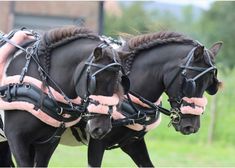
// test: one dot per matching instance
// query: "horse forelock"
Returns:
(147, 41)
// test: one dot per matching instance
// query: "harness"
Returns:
(145, 116)
(28, 92)
(134, 114)
(188, 87)
(44, 100)
(175, 113)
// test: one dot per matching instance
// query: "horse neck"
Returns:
(151, 66)
(74, 52)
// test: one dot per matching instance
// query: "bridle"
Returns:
(175, 113)
(115, 66)
(138, 116)
(189, 84)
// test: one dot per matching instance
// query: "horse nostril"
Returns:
(188, 130)
(97, 132)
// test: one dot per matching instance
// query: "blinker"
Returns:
(125, 83)
(189, 87)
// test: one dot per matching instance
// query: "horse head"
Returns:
(100, 86)
(177, 65)
(197, 74)
(181, 67)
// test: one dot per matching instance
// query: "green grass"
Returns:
(167, 148)
(163, 153)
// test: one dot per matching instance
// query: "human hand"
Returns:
(21, 36)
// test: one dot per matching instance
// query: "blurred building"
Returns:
(44, 15)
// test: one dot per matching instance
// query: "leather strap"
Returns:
(30, 93)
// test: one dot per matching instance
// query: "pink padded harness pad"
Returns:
(101, 108)
(20, 105)
(139, 127)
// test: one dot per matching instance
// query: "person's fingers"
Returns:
(22, 35)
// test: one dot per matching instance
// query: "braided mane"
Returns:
(60, 36)
(147, 41)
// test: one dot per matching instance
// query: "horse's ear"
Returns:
(97, 52)
(198, 53)
(216, 47)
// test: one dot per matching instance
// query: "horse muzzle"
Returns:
(188, 124)
(99, 127)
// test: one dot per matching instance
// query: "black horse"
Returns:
(74, 62)
(159, 62)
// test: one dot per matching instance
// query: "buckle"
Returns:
(132, 121)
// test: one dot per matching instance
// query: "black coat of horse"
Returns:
(65, 54)
(159, 62)
(157, 57)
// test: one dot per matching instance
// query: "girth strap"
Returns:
(27, 92)
(55, 137)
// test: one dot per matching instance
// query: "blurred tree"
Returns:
(134, 20)
(189, 23)
(165, 21)
(218, 24)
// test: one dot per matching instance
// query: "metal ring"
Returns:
(27, 86)
(3, 95)
(29, 50)
(61, 111)
(176, 120)
(133, 121)
(175, 117)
